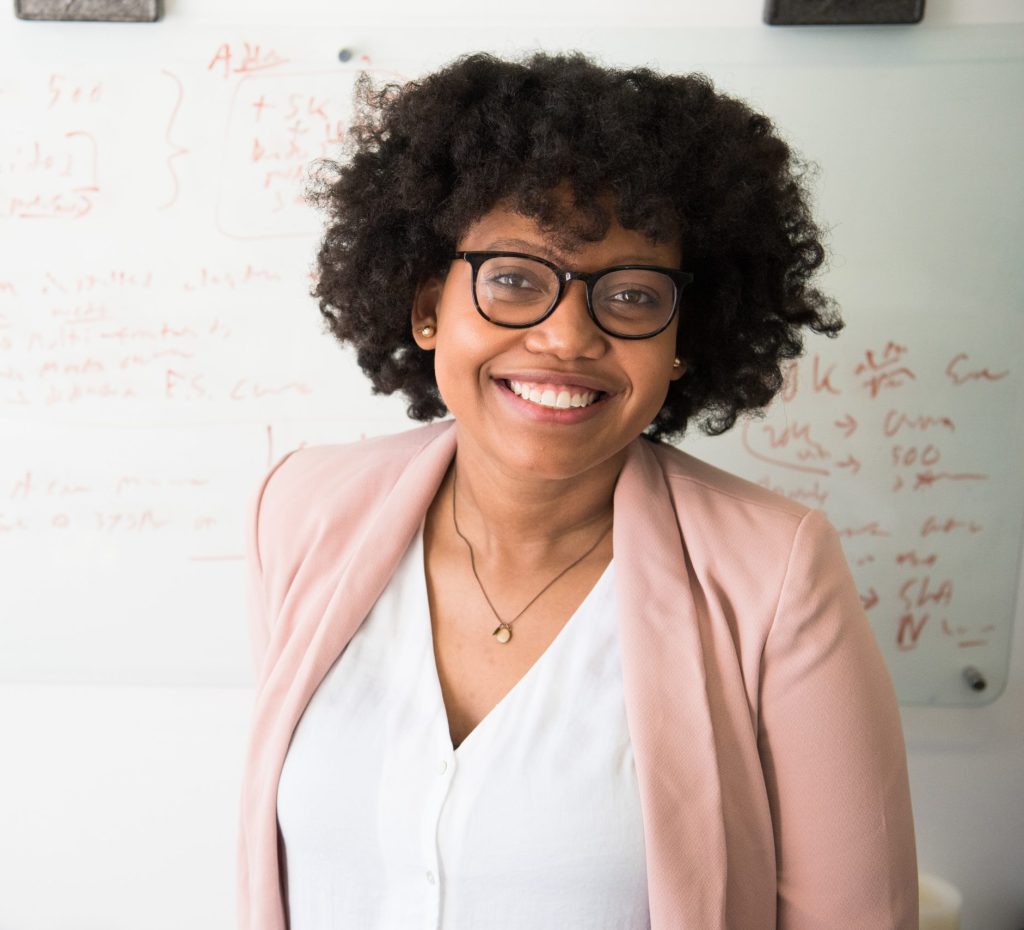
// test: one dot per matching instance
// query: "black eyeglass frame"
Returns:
(564, 275)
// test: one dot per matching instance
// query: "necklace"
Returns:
(503, 632)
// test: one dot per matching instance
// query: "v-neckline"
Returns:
(527, 676)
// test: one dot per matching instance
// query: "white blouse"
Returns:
(533, 823)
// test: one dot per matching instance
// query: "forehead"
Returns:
(569, 236)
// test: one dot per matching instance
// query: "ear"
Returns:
(424, 311)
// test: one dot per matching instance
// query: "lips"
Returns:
(569, 380)
(557, 396)
(540, 413)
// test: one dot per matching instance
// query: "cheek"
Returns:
(448, 349)
(444, 376)
(653, 380)
(458, 358)
(655, 394)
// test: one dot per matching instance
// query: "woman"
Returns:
(531, 666)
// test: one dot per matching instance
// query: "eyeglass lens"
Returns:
(629, 302)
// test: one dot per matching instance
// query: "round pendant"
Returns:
(503, 633)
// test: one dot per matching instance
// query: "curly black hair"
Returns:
(428, 158)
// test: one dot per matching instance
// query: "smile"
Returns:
(556, 404)
(556, 396)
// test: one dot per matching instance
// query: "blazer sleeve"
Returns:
(256, 594)
(832, 752)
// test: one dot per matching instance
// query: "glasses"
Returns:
(627, 301)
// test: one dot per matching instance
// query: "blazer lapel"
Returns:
(384, 542)
(667, 705)
(375, 556)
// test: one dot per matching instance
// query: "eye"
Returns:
(515, 280)
(632, 296)
(511, 279)
(635, 292)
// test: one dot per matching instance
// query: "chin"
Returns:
(552, 461)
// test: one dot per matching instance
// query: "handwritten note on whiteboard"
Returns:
(896, 443)
(158, 347)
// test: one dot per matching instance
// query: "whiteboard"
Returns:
(158, 347)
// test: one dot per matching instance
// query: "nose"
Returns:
(568, 332)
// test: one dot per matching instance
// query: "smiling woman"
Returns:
(532, 666)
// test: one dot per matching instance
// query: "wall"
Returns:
(118, 804)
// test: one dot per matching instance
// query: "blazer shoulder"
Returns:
(722, 489)
(335, 465)
(312, 487)
(744, 540)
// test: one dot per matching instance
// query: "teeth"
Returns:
(549, 398)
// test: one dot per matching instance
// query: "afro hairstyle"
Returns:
(677, 159)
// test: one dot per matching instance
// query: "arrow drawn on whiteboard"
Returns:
(925, 479)
(848, 425)
(870, 599)
(851, 462)
(176, 150)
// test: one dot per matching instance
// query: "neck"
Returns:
(525, 520)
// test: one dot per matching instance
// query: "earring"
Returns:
(676, 363)
(427, 331)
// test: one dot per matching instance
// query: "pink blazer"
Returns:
(765, 729)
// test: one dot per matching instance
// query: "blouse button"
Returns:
(430, 876)
(443, 767)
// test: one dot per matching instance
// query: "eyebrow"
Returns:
(537, 248)
(521, 245)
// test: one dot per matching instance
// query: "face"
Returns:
(475, 360)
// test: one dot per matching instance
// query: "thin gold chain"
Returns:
(507, 624)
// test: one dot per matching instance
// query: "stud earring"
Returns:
(427, 330)
(676, 363)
